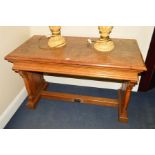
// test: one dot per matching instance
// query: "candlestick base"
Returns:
(56, 41)
(104, 46)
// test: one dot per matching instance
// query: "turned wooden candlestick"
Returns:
(56, 40)
(104, 44)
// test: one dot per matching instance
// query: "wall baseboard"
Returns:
(12, 108)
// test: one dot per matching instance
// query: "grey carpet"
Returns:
(52, 114)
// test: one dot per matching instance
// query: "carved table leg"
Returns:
(124, 97)
(34, 83)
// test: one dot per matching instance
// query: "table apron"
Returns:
(77, 70)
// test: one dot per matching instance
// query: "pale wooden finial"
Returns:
(56, 40)
(104, 44)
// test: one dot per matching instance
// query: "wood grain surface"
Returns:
(126, 53)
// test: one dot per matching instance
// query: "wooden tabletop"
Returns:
(77, 51)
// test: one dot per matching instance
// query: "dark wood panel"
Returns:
(148, 77)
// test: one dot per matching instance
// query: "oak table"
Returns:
(78, 59)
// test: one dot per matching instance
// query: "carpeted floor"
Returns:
(51, 114)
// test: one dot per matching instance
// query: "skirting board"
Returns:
(12, 108)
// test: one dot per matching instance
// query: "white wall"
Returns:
(10, 82)
(141, 33)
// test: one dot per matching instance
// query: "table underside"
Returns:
(37, 88)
